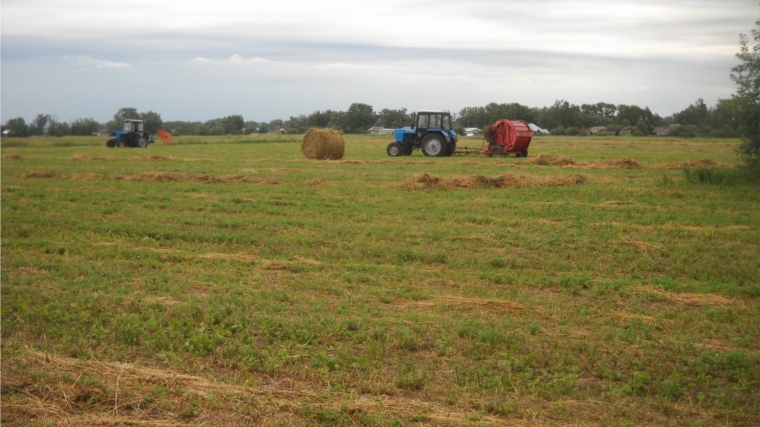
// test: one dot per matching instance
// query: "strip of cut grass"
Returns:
(306, 292)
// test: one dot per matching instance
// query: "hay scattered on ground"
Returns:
(489, 306)
(120, 389)
(12, 156)
(323, 144)
(79, 156)
(702, 163)
(424, 181)
(151, 176)
(644, 246)
(550, 160)
(239, 257)
(152, 157)
(314, 182)
(617, 203)
(625, 163)
(697, 300)
(104, 158)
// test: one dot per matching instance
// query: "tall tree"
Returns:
(393, 118)
(17, 127)
(359, 118)
(84, 127)
(120, 116)
(746, 75)
(152, 121)
(38, 124)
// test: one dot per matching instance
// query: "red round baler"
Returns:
(508, 137)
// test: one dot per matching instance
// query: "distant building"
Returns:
(537, 129)
(596, 130)
(379, 130)
(664, 130)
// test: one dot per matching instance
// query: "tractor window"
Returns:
(446, 123)
(127, 126)
(435, 121)
(140, 127)
(422, 121)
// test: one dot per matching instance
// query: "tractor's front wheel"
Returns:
(434, 146)
(111, 143)
(395, 149)
(142, 142)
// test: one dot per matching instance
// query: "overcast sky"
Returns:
(198, 60)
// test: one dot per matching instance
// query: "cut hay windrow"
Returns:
(550, 160)
(314, 182)
(424, 181)
(12, 156)
(693, 164)
(151, 177)
(323, 144)
(79, 156)
(152, 157)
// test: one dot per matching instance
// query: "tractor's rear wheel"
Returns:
(142, 142)
(433, 145)
(452, 149)
(395, 149)
(497, 151)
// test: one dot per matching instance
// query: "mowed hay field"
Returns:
(230, 281)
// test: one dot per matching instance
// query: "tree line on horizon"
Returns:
(561, 118)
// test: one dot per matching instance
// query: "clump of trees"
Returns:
(746, 102)
(44, 124)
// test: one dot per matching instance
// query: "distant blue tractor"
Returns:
(430, 132)
(132, 135)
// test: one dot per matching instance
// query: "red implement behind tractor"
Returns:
(508, 137)
(502, 138)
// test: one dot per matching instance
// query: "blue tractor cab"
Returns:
(132, 134)
(430, 132)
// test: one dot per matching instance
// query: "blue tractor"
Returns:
(430, 132)
(132, 135)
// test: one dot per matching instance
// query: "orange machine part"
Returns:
(513, 135)
(164, 135)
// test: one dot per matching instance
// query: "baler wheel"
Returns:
(497, 151)
(395, 149)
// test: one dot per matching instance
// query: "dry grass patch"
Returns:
(12, 156)
(152, 177)
(697, 300)
(702, 163)
(617, 203)
(112, 393)
(452, 303)
(162, 300)
(39, 174)
(550, 160)
(152, 157)
(239, 257)
(424, 181)
(314, 182)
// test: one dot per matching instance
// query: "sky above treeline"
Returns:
(198, 60)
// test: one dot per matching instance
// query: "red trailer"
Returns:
(508, 137)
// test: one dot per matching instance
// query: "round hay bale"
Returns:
(323, 144)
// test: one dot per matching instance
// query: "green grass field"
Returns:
(229, 281)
